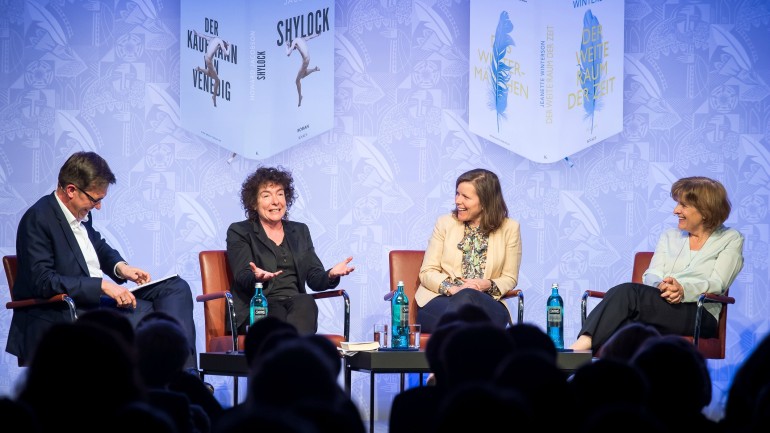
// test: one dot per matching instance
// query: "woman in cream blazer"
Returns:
(473, 255)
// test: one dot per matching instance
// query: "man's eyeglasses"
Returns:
(93, 200)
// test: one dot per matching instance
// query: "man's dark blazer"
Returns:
(50, 262)
(247, 242)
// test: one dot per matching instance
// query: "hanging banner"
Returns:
(546, 77)
(257, 77)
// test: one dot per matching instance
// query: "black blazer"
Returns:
(50, 263)
(248, 242)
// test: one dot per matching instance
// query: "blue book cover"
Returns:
(257, 77)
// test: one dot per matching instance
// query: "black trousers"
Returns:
(172, 296)
(429, 315)
(633, 302)
(300, 310)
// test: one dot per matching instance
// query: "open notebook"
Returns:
(152, 283)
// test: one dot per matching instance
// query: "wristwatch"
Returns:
(443, 291)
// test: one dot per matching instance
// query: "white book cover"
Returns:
(546, 78)
(360, 346)
(256, 77)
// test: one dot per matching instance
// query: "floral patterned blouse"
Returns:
(474, 247)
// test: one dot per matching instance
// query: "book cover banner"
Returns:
(257, 77)
(546, 78)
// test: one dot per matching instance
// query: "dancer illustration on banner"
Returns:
(300, 44)
(214, 44)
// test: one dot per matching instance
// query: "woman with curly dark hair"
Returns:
(279, 253)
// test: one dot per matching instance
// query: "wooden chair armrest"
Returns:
(722, 299)
(329, 294)
(56, 299)
(212, 296)
(593, 294)
(512, 293)
(36, 301)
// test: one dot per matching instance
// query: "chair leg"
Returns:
(233, 323)
(235, 390)
(698, 315)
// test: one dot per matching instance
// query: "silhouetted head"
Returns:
(162, 350)
(293, 371)
(80, 358)
(478, 406)
(489, 345)
(534, 375)
(675, 371)
(750, 387)
(606, 381)
(626, 341)
(530, 337)
(265, 334)
(328, 349)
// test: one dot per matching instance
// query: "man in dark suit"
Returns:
(59, 251)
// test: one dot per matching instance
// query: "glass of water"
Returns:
(381, 334)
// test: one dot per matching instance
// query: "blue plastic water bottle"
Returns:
(258, 305)
(399, 311)
(555, 317)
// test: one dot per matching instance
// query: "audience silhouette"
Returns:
(748, 399)
(265, 334)
(295, 377)
(489, 345)
(679, 383)
(159, 349)
(527, 336)
(538, 380)
(626, 341)
(142, 416)
(605, 385)
(19, 415)
(403, 417)
(81, 359)
(478, 406)
(134, 378)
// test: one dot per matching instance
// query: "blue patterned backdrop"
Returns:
(103, 76)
